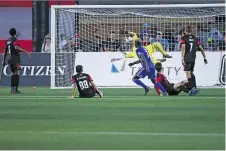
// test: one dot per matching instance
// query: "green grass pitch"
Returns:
(123, 119)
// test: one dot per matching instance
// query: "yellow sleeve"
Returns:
(150, 52)
(158, 46)
(132, 54)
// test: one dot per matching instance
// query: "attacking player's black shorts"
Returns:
(189, 66)
(171, 90)
(15, 67)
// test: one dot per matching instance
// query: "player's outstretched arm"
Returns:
(135, 62)
(74, 90)
(22, 50)
(97, 90)
(203, 53)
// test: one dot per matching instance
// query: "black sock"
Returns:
(13, 80)
(190, 84)
(184, 89)
(17, 81)
(193, 78)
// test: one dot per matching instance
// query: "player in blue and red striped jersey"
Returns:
(148, 68)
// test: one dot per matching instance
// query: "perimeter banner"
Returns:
(110, 69)
(35, 71)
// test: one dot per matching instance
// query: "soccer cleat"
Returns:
(192, 92)
(167, 56)
(165, 94)
(196, 91)
(146, 91)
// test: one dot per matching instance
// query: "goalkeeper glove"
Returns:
(167, 56)
(162, 60)
(205, 61)
(131, 64)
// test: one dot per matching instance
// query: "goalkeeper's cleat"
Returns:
(167, 56)
(146, 91)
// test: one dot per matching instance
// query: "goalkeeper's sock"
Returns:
(158, 85)
(193, 79)
(160, 48)
(140, 83)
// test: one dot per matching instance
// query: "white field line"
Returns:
(115, 133)
(111, 97)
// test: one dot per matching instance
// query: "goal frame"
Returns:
(53, 23)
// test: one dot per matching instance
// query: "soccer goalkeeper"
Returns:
(150, 47)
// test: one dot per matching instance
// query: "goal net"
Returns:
(82, 29)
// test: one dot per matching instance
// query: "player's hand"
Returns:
(162, 60)
(29, 55)
(167, 56)
(205, 61)
(131, 64)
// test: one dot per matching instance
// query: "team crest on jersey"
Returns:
(117, 65)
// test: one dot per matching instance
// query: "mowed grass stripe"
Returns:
(18, 97)
(115, 133)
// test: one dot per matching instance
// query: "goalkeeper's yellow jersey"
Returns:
(151, 48)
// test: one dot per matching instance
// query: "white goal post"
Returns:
(80, 32)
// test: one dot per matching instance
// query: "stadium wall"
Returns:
(112, 69)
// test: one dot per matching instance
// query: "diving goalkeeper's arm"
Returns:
(135, 37)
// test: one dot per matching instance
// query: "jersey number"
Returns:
(83, 85)
(191, 45)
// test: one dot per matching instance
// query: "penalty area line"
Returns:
(116, 133)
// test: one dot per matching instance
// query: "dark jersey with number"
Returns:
(83, 82)
(191, 47)
(12, 51)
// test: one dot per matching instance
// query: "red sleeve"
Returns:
(16, 43)
(73, 80)
(89, 78)
(182, 41)
(198, 43)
